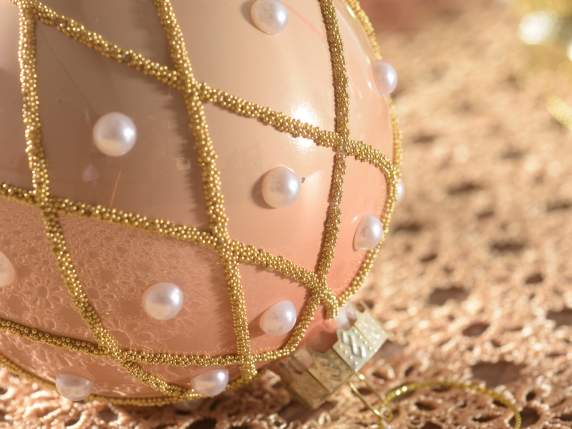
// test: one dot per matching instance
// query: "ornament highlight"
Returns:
(269, 16)
(114, 134)
(279, 319)
(163, 301)
(369, 233)
(280, 187)
(73, 387)
(7, 271)
(385, 77)
(210, 383)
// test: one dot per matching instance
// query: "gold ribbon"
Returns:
(383, 410)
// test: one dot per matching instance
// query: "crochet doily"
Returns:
(473, 284)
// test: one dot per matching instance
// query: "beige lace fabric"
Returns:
(474, 283)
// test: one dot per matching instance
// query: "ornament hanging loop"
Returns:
(384, 415)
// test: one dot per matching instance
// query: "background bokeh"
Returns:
(475, 282)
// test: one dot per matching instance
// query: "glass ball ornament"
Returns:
(186, 205)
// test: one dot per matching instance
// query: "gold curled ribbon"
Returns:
(385, 415)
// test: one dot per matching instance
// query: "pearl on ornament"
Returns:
(369, 233)
(210, 383)
(280, 187)
(73, 387)
(163, 301)
(7, 271)
(346, 317)
(279, 319)
(114, 134)
(385, 77)
(270, 16)
(400, 190)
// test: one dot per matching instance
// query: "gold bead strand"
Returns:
(212, 188)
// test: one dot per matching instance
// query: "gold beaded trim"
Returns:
(364, 21)
(232, 253)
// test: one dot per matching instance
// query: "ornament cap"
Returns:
(313, 376)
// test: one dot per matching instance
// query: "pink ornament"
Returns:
(160, 178)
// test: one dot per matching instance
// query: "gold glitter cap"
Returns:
(313, 376)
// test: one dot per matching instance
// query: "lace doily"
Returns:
(473, 284)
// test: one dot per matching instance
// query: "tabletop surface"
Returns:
(474, 283)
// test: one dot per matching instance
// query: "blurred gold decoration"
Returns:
(559, 7)
(548, 36)
(560, 110)
(546, 29)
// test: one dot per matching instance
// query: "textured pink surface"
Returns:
(118, 264)
(48, 361)
(38, 297)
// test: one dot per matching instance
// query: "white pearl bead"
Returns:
(400, 190)
(279, 319)
(73, 387)
(163, 301)
(385, 77)
(280, 187)
(7, 271)
(114, 134)
(346, 317)
(210, 383)
(270, 16)
(369, 233)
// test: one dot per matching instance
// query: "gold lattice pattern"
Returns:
(231, 253)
